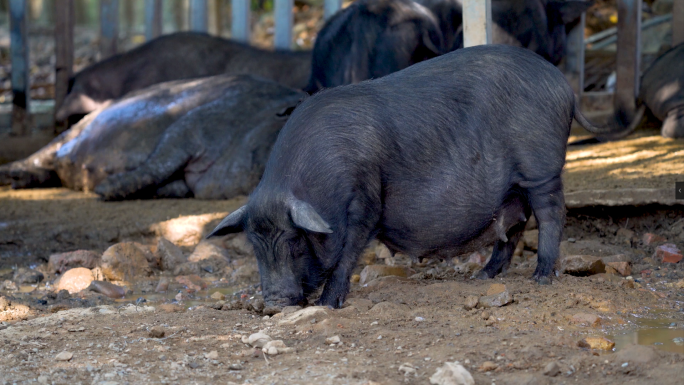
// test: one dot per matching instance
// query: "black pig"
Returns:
(439, 159)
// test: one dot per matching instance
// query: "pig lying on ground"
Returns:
(370, 39)
(439, 159)
(182, 55)
(207, 138)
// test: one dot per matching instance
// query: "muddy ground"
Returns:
(393, 329)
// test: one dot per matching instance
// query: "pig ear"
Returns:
(233, 223)
(305, 217)
(569, 10)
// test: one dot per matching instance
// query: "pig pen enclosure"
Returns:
(131, 292)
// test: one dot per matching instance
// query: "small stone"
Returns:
(639, 354)
(61, 262)
(275, 347)
(625, 236)
(4, 304)
(108, 289)
(407, 369)
(582, 265)
(372, 272)
(496, 300)
(471, 302)
(477, 258)
(552, 369)
(235, 367)
(531, 239)
(360, 304)
(356, 278)
(679, 284)
(192, 282)
(419, 319)
(125, 261)
(212, 355)
(452, 373)
(598, 343)
(75, 280)
(305, 315)
(488, 366)
(485, 315)
(64, 356)
(169, 255)
(170, 308)
(193, 365)
(218, 296)
(334, 340)
(271, 351)
(28, 276)
(496, 288)
(588, 319)
(257, 340)
(157, 332)
(667, 253)
(650, 239)
(207, 249)
(163, 285)
(622, 268)
(43, 380)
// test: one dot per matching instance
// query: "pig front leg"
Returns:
(502, 254)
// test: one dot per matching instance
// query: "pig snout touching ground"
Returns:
(440, 159)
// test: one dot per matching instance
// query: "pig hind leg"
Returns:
(673, 125)
(548, 205)
(502, 254)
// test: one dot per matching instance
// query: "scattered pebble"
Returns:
(471, 302)
(75, 280)
(61, 262)
(407, 369)
(419, 319)
(372, 272)
(64, 356)
(157, 332)
(218, 296)
(452, 373)
(212, 355)
(488, 366)
(107, 288)
(650, 239)
(163, 285)
(257, 340)
(496, 300)
(588, 319)
(668, 253)
(273, 348)
(599, 343)
(551, 369)
(333, 340)
(582, 265)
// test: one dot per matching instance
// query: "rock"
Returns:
(157, 332)
(407, 369)
(125, 261)
(667, 253)
(109, 289)
(471, 302)
(496, 300)
(192, 282)
(207, 249)
(64, 356)
(372, 272)
(75, 280)
(212, 355)
(552, 369)
(625, 236)
(163, 285)
(256, 340)
(622, 268)
(169, 255)
(170, 308)
(588, 319)
(640, 354)
(383, 253)
(531, 239)
(488, 366)
(651, 239)
(43, 380)
(389, 310)
(355, 278)
(218, 296)
(599, 343)
(291, 309)
(28, 276)
(679, 284)
(4, 304)
(467, 268)
(496, 288)
(305, 315)
(360, 304)
(334, 340)
(61, 262)
(275, 347)
(477, 258)
(452, 373)
(8, 285)
(97, 274)
(582, 265)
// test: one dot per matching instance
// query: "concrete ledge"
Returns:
(622, 197)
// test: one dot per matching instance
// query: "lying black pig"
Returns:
(182, 55)
(439, 159)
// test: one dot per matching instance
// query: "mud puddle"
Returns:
(663, 333)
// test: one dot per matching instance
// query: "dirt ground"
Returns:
(393, 329)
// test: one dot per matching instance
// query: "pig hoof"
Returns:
(543, 280)
(481, 275)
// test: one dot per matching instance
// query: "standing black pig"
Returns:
(182, 55)
(439, 159)
(370, 39)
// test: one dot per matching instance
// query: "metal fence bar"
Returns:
(330, 7)
(153, 19)
(64, 52)
(19, 54)
(241, 15)
(109, 27)
(677, 22)
(477, 22)
(628, 57)
(198, 15)
(283, 24)
(574, 59)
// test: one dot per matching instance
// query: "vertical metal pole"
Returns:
(153, 19)
(19, 53)
(198, 15)
(283, 24)
(628, 57)
(64, 51)
(477, 22)
(330, 7)
(109, 27)
(241, 14)
(215, 21)
(677, 22)
(574, 59)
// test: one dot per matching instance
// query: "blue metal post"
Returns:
(283, 24)
(574, 58)
(198, 15)
(477, 22)
(153, 19)
(241, 26)
(109, 27)
(628, 57)
(19, 53)
(330, 7)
